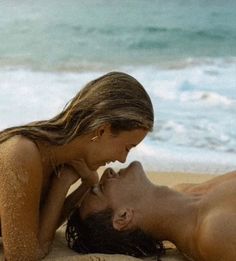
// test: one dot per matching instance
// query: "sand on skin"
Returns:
(61, 252)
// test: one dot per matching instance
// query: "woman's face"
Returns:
(114, 190)
(110, 148)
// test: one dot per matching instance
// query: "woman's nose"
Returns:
(123, 157)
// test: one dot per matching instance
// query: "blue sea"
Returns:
(182, 51)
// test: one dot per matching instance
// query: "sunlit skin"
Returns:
(114, 188)
(110, 147)
(198, 219)
(29, 169)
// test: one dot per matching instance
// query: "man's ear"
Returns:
(122, 218)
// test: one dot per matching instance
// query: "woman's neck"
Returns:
(52, 156)
(56, 155)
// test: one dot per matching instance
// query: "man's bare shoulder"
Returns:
(207, 186)
(223, 196)
(217, 236)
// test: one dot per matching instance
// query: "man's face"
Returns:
(115, 189)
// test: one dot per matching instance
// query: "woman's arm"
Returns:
(57, 206)
(76, 197)
(51, 211)
(72, 201)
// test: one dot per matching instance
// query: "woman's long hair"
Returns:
(115, 98)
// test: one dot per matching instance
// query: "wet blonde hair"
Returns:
(115, 98)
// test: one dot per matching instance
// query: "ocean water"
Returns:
(183, 52)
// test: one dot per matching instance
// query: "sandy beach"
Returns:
(182, 52)
(61, 252)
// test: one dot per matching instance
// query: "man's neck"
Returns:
(169, 215)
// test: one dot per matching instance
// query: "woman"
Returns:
(200, 221)
(113, 112)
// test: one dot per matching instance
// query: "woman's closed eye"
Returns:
(128, 148)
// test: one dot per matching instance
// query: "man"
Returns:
(199, 219)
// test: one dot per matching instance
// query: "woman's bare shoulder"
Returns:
(18, 147)
(19, 154)
(20, 192)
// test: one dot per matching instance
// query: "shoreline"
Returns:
(173, 178)
(170, 178)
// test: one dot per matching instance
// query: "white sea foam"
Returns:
(176, 159)
(208, 98)
(28, 96)
(194, 110)
(211, 85)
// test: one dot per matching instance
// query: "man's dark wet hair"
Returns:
(95, 234)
